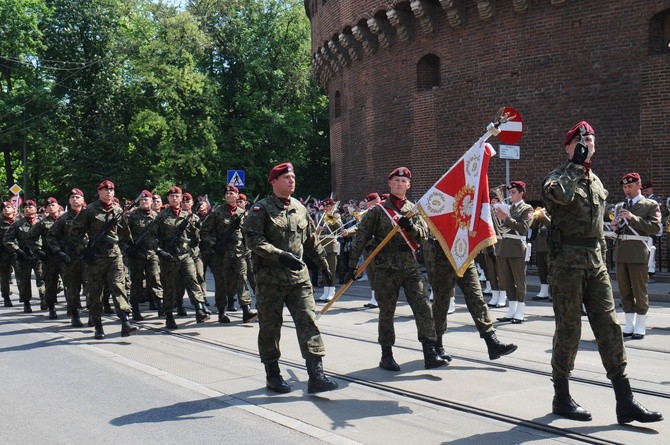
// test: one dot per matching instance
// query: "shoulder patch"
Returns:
(256, 208)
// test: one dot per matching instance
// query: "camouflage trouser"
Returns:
(299, 300)
(200, 274)
(570, 287)
(111, 272)
(633, 282)
(513, 274)
(370, 272)
(142, 269)
(230, 279)
(387, 286)
(50, 273)
(443, 279)
(72, 282)
(6, 264)
(250, 272)
(172, 272)
(24, 269)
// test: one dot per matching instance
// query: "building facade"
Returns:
(415, 83)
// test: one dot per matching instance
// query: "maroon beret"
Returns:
(279, 170)
(145, 194)
(174, 189)
(106, 184)
(232, 188)
(6, 204)
(76, 192)
(647, 184)
(30, 202)
(243, 197)
(371, 196)
(156, 196)
(574, 131)
(402, 172)
(188, 197)
(50, 200)
(630, 177)
(519, 185)
(328, 202)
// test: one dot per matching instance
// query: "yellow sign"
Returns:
(15, 189)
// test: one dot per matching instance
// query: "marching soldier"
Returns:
(36, 239)
(222, 233)
(101, 230)
(15, 243)
(142, 259)
(278, 230)
(7, 260)
(243, 203)
(331, 223)
(511, 250)
(443, 280)
(60, 243)
(396, 266)
(636, 222)
(169, 237)
(575, 199)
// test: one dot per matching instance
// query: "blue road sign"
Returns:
(236, 178)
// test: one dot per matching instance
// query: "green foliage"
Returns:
(149, 95)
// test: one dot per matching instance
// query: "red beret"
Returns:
(188, 197)
(647, 185)
(7, 204)
(328, 202)
(243, 197)
(145, 194)
(174, 189)
(371, 196)
(574, 131)
(156, 196)
(630, 177)
(75, 191)
(519, 185)
(402, 172)
(232, 188)
(279, 170)
(50, 200)
(30, 202)
(106, 184)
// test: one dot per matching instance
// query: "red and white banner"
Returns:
(457, 208)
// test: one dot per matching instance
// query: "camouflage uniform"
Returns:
(143, 263)
(227, 261)
(395, 266)
(51, 265)
(443, 280)
(577, 271)
(164, 236)
(107, 266)
(15, 239)
(272, 228)
(7, 262)
(59, 241)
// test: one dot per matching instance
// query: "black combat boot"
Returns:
(273, 379)
(629, 409)
(27, 308)
(430, 357)
(181, 312)
(206, 307)
(564, 405)
(75, 321)
(223, 318)
(497, 349)
(169, 320)
(439, 348)
(52, 312)
(201, 314)
(387, 362)
(318, 382)
(127, 329)
(8, 301)
(248, 314)
(99, 333)
(43, 303)
(137, 315)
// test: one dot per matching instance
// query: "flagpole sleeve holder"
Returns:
(493, 129)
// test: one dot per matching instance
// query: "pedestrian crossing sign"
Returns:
(236, 178)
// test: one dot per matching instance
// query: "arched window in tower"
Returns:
(428, 72)
(659, 33)
(337, 104)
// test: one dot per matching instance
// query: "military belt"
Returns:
(510, 236)
(644, 239)
(580, 241)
